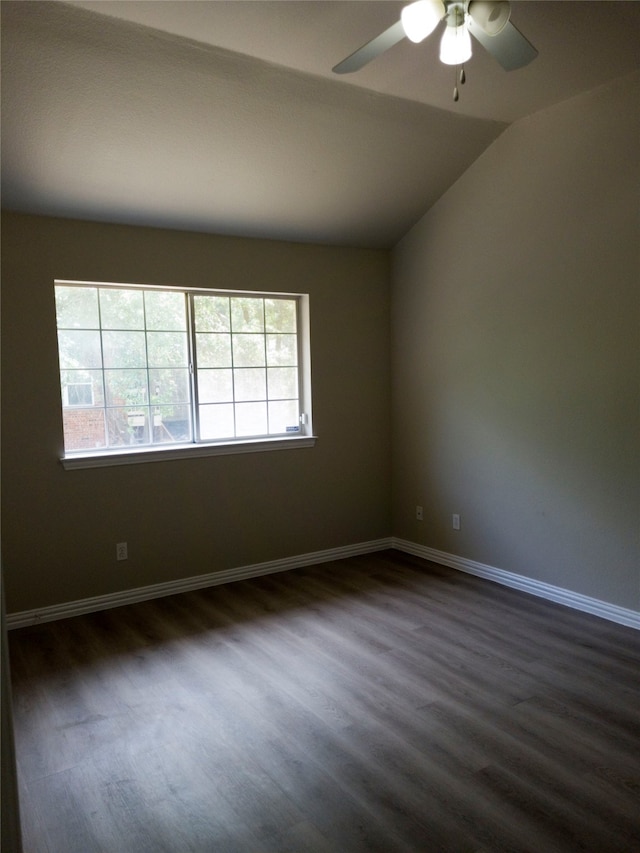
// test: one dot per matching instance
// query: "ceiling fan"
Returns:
(486, 20)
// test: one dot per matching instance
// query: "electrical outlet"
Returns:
(419, 515)
(455, 521)
(121, 551)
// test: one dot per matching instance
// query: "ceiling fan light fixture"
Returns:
(455, 47)
(420, 19)
(492, 16)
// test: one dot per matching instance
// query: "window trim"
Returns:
(159, 453)
(103, 457)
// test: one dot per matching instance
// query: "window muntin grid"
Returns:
(169, 366)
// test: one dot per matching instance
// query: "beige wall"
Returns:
(514, 368)
(183, 518)
(515, 363)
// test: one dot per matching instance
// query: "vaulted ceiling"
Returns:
(226, 116)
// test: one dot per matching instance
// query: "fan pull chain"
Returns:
(463, 79)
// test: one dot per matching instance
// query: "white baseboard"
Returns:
(159, 590)
(612, 612)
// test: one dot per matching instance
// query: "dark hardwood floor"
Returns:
(379, 703)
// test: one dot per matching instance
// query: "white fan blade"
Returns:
(510, 48)
(371, 50)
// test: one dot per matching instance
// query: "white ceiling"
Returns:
(226, 117)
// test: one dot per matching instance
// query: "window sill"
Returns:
(183, 451)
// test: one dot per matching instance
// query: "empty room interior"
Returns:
(320, 416)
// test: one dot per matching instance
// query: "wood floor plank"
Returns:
(380, 703)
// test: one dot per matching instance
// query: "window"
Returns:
(78, 394)
(144, 368)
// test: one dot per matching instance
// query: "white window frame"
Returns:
(106, 457)
(69, 405)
